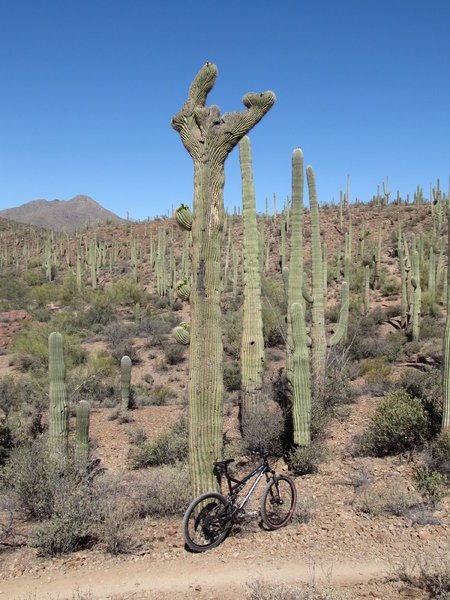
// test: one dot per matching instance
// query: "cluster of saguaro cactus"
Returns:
(252, 342)
(209, 138)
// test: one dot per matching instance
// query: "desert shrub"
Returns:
(160, 395)
(96, 382)
(164, 490)
(427, 387)
(124, 291)
(263, 428)
(174, 353)
(156, 330)
(6, 442)
(431, 574)
(232, 332)
(303, 460)
(430, 484)
(273, 312)
(118, 338)
(266, 591)
(399, 424)
(439, 455)
(376, 371)
(168, 448)
(14, 293)
(430, 327)
(389, 500)
(389, 285)
(232, 376)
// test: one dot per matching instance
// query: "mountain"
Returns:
(61, 215)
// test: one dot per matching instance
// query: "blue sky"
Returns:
(89, 88)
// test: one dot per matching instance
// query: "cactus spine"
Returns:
(59, 407)
(125, 382)
(252, 343)
(209, 139)
(82, 433)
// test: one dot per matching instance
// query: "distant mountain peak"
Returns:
(61, 215)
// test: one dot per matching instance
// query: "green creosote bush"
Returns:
(232, 376)
(125, 292)
(377, 373)
(399, 425)
(174, 354)
(389, 285)
(439, 458)
(431, 327)
(14, 293)
(160, 395)
(273, 312)
(168, 448)
(430, 484)
(232, 333)
(427, 387)
(304, 460)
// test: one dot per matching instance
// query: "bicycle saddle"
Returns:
(222, 464)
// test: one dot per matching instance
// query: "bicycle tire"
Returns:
(206, 522)
(278, 502)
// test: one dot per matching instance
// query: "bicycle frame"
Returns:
(234, 490)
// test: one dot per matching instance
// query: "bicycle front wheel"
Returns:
(278, 502)
(206, 522)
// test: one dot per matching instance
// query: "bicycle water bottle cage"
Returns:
(222, 464)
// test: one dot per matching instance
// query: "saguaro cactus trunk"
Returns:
(209, 138)
(59, 407)
(446, 374)
(252, 343)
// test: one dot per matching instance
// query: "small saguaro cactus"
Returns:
(183, 217)
(82, 433)
(181, 334)
(125, 382)
(59, 407)
(301, 389)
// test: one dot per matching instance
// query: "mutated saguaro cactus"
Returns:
(183, 217)
(209, 138)
(181, 334)
(183, 289)
(82, 433)
(125, 382)
(59, 407)
(252, 341)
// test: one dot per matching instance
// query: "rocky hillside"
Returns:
(61, 215)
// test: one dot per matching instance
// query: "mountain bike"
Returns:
(210, 517)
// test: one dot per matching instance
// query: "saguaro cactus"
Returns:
(82, 433)
(446, 373)
(301, 389)
(59, 407)
(209, 138)
(125, 381)
(252, 342)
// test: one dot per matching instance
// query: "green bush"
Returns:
(273, 311)
(399, 425)
(430, 484)
(124, 291)
(232, 333)
(169, 448)
(232, 376)
(440, 454)
(174, 353)
(164, 490)
(263, 428)
(303, 460)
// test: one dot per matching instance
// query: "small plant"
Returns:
(174, 353)
(169, 448)
(164, 490)
(303, 460)
(232, 376)
(431, 574)
(399, 425)
(430, 484)
(263, 428)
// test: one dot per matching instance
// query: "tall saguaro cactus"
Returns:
(446, 373)
(252, 343)
(209, 138)
(82, 433)
(59, 407)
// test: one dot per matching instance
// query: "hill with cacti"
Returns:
(372, 483)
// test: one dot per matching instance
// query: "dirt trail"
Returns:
(199, 576)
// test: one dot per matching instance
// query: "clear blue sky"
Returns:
(89, 88)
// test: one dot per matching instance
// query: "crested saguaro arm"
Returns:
(209, 138)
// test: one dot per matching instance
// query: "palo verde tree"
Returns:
(209, 138)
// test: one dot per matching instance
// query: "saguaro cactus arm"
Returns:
(197, 122)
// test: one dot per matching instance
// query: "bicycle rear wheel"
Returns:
(206, 522)
(278, 502)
